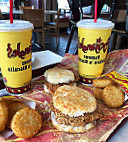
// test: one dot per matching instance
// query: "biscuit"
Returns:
(3, 115)
(103, 82)
(98, 93)
(112, 96)
(26, 123)
(12, 109)
(57, 75)
(74, 101)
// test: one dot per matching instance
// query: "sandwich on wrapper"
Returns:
(56, 77)
(74, 109)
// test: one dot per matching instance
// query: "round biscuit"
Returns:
(103, 82)
(26, 123)
(74, 101)
(58, 75)
(112, 96)
(12, 109)
(3, 116)
(98, 93)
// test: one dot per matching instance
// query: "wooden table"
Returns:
(18, 14)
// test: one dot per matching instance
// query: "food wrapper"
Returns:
(117, 60)
(118, 78)
(104, 127)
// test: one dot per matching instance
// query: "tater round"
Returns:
(26, 123)
(98, 93)
(12, 109)
(103, 82)
(113, 97)
(3, 116)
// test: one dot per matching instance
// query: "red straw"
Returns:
(11, 11)
(95, 14)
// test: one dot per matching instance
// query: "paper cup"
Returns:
(15, 55)
(92, 47)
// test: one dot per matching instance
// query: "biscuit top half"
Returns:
(74, 101)
(57, 75)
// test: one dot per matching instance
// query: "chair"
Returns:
(1, 17)
(36, 16)
(54, 25)
(65, 14)
(77, 14)
(119, 16)
(26, 7)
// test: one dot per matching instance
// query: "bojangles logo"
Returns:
(20, 53)
(98, 46)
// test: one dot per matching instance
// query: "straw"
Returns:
(95, 14)
(11, 11)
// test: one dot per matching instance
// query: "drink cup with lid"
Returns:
(93, 44)
(15, 55)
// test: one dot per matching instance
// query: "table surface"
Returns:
(47, 59)
(21, 11)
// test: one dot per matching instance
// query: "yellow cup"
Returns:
(92, 47)
(15, 55)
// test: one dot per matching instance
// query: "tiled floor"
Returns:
(50, 42)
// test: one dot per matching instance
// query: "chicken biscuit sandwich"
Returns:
(57, 77)
(74, 109)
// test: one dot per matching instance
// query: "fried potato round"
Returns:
(121, 89)
(98, 93)
(8, 101)
(26, 123)
(12, 109)
(112, 96)
(3, 115)
(102, 82)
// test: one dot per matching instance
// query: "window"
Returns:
(105, 8)
(63, 4)
(4, 4)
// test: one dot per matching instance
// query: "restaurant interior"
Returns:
(55, 43)
(55, 28)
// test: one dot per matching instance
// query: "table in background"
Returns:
(18, 14)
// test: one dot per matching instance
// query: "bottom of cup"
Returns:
(19, 90)
(86, 80)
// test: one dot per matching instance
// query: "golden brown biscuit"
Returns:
(71, 100)
(112, 96)
(26, 123)
(12, 109)
(57, 75)
(103, 82)
(3, 115)
(98, 93)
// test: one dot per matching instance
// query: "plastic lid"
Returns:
(17, 25)
(90, 24)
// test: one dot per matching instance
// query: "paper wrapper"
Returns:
(117, 60)
(103, 129)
